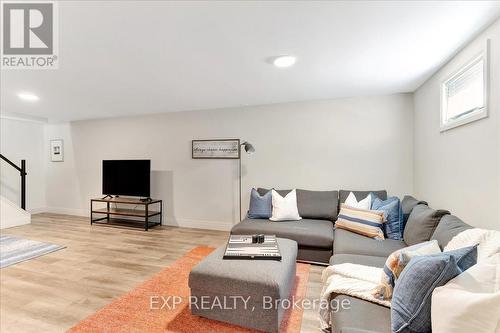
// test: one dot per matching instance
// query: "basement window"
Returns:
(464, 94)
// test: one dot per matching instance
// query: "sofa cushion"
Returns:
(260, 205)
(407, 204)
(470, 302)
(317, 205)
(360, 195)
(365, 203)
(306, 232)
(396, 263)
(421, 224)
(358, 259)
(347, 242)
(393, 226)
(411, 302)
(448, 227)
(369, 223)
(285, 207)
(361, 315)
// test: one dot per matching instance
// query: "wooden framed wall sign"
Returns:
(216, 149)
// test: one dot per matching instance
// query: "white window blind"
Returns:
(463, 95)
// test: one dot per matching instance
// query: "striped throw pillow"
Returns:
(395, 264)
(368, 223)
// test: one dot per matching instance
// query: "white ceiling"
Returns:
(136, 57)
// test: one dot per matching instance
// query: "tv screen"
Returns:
(126, 177)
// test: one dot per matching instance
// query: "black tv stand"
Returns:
(107, 196)
(146, 199)
(138, 214)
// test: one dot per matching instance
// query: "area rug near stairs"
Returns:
(132, 312)
(14, 250)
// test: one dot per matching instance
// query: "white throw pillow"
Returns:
(366, 203)
(470, 302)
(285, 208)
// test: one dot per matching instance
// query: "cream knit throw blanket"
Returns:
(348, 279)
(488, 240)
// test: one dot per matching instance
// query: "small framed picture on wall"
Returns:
(56, 150)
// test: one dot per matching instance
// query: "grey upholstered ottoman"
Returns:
(244, 292)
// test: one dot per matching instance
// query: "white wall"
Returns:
(23, 139)
(459, 169)
(63, 193)
(11, 215)
(359, 143)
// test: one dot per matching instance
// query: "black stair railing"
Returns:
(22, 171)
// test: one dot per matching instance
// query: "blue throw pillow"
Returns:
(261, 206)
(393, 213)
(411, 301)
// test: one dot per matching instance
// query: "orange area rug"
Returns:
(132, 312)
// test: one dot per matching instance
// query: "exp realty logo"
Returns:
(29, 35)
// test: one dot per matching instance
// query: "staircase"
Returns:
(11, 215)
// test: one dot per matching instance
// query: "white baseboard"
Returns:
(60, 210)
(177, 222)
(37, 210)
(199, 224)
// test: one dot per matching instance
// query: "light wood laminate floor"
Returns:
(53, 292)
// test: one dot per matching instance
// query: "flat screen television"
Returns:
(126, 177)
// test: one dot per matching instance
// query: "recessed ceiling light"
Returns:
(284, 61)
(28, 97)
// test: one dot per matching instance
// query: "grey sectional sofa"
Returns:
(319, 243)
(314, 233)
(366, 317)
